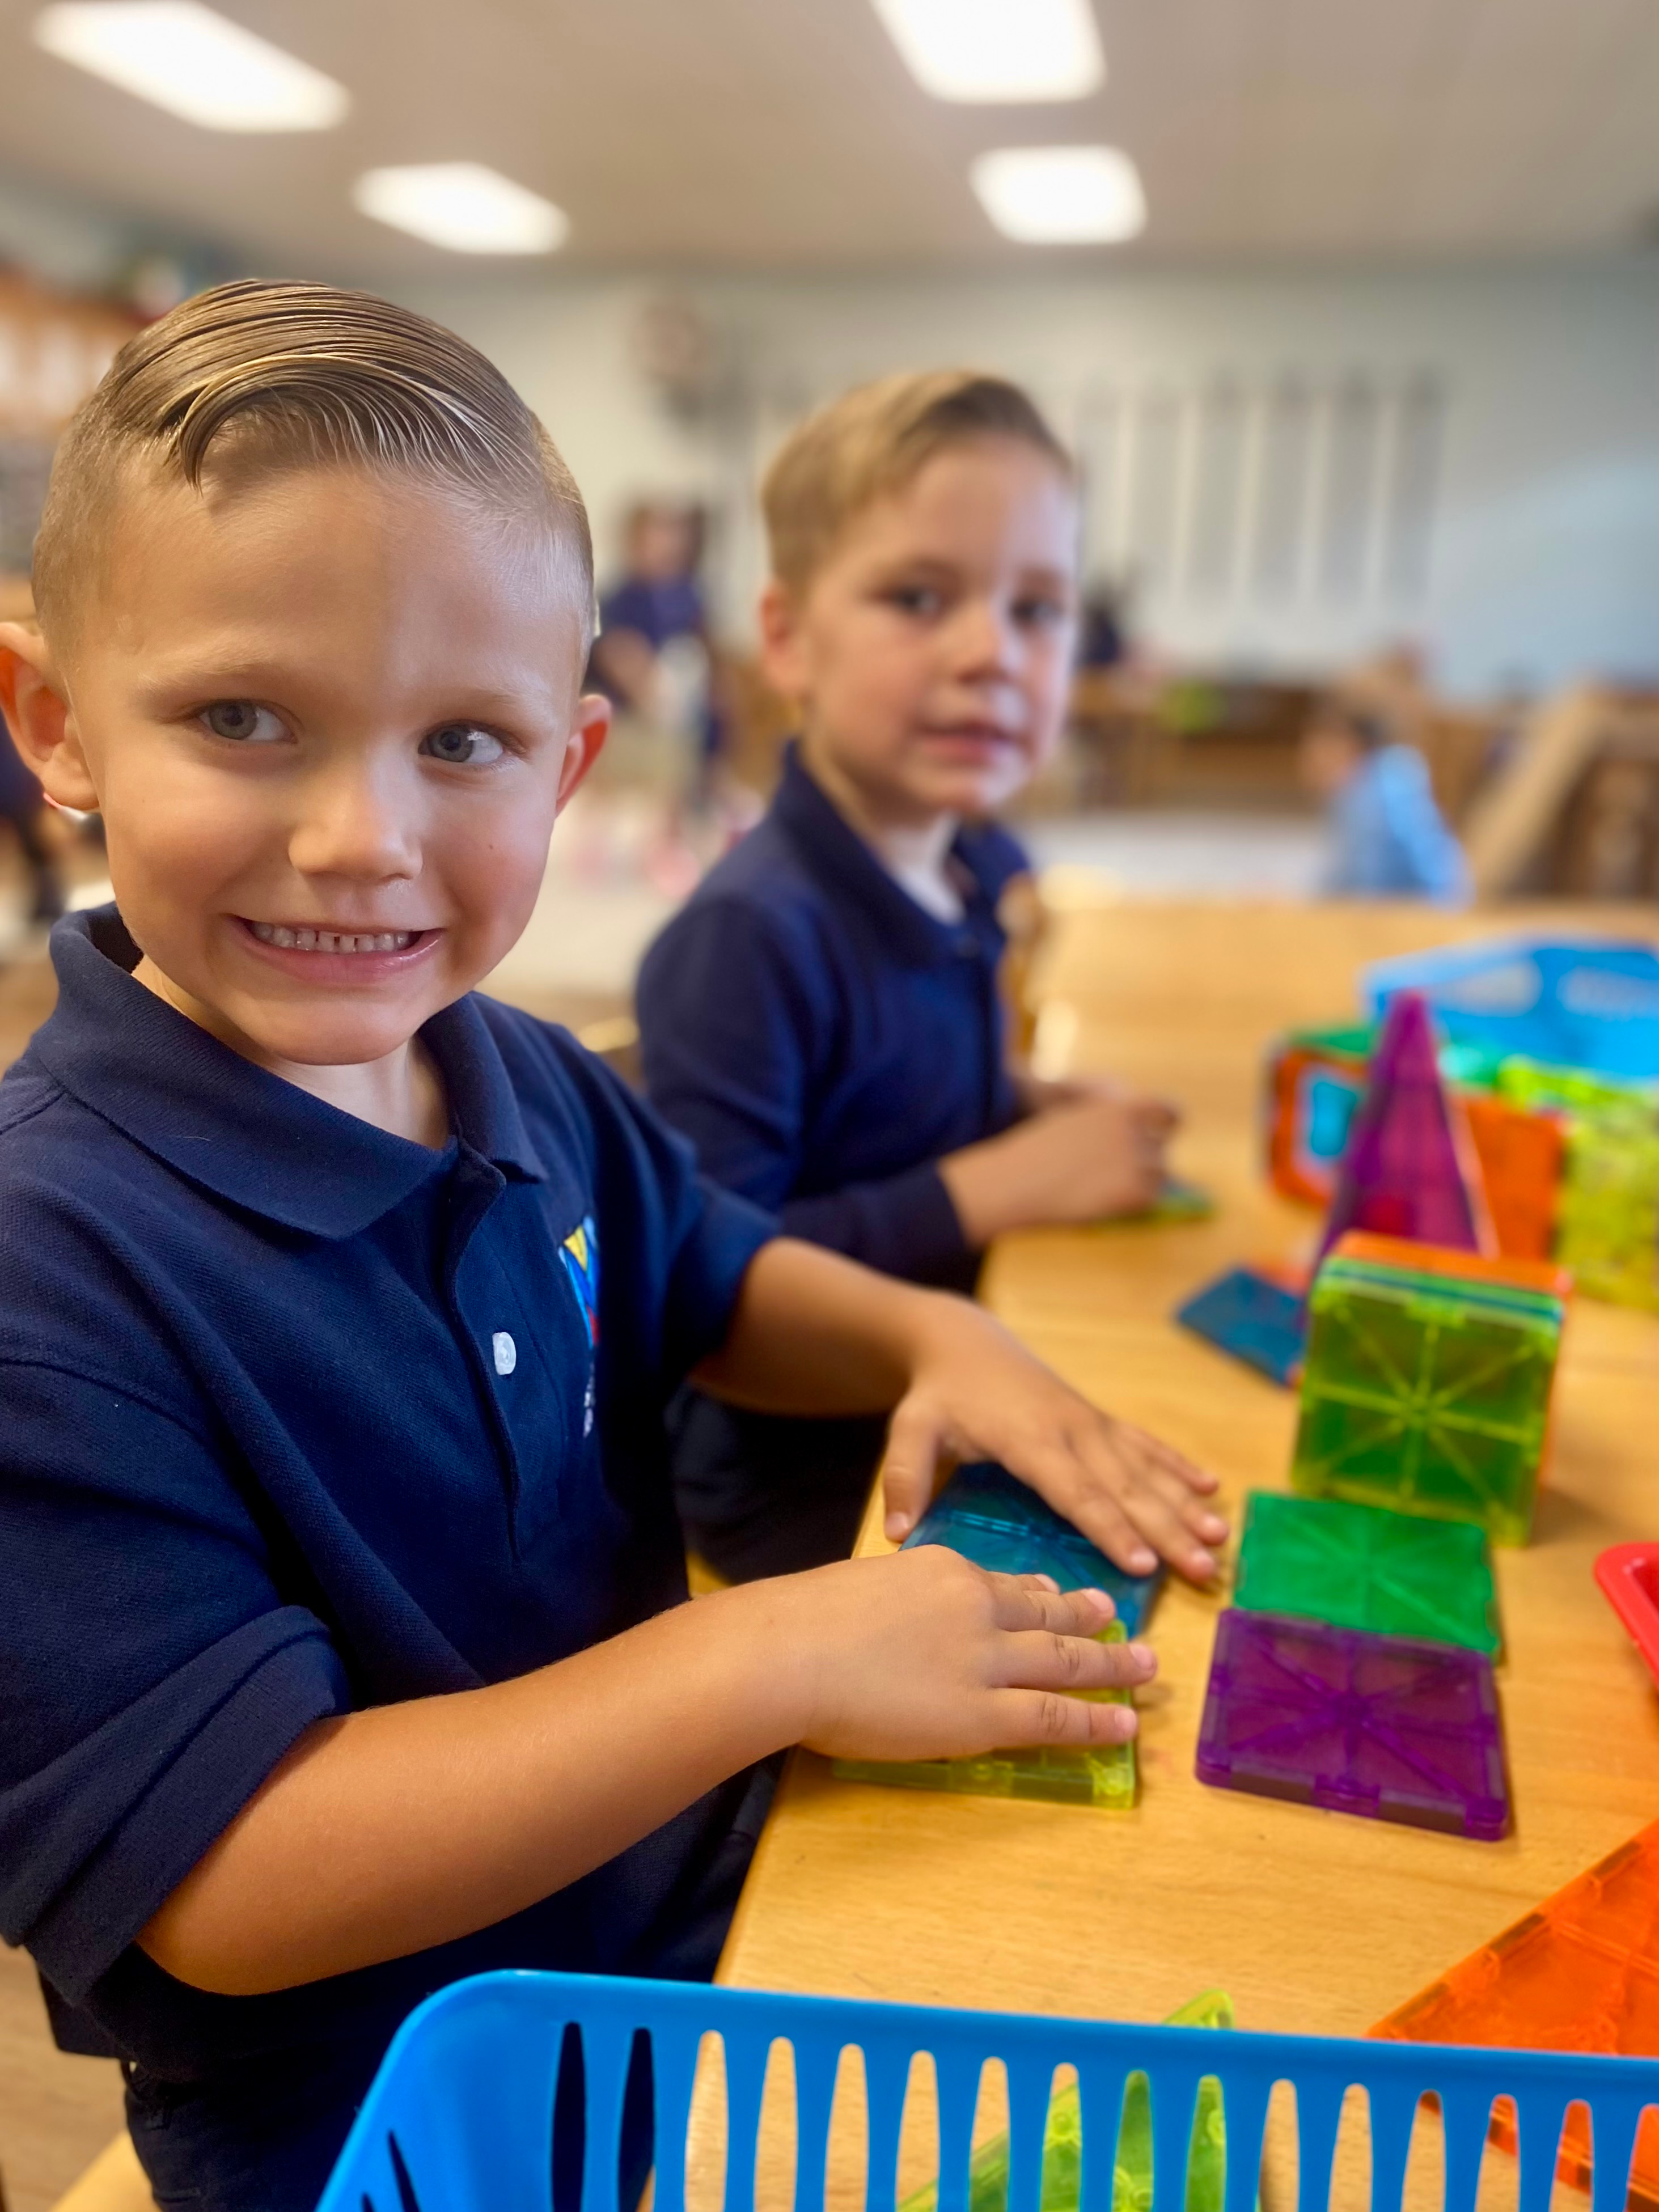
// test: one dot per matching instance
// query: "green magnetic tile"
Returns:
(1102, 1775)
(1607, 1207)
(1360, 1566)
(1424, 1402)
(1132, 2179)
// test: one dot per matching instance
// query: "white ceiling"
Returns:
(787, 132)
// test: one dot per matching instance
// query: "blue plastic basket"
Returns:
(1590, 1003)
(460, 2117)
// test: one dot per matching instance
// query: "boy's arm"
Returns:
(389, 1831)
(811, 1333)
(731, 1027)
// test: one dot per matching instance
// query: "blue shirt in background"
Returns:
(1388, 839)
(300, 1418)
(823, 1040)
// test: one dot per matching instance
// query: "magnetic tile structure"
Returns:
(1253, 1318)
(1357, 1566)
(1379, 1725)
(1607, 1213)
(1520, 1152)
(1427, 1382)
(1103, 1775)
(1132, 2180)
(1578, 1972)
(1410, 1168)
(1315, 1080)
(997, 1522)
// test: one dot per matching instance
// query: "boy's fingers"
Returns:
(1032, 1602)
(908, 1469)
(1044, 1717)
(1037, 1659)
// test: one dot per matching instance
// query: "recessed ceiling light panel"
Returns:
(1062, 195)
(192, 61)
(997, 49)
(463, 206)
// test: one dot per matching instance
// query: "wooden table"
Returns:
(1313, 1921)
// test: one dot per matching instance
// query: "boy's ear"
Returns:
(589, 728)
(782, 645)
(36, 708)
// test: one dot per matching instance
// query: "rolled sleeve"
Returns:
(150, 1675)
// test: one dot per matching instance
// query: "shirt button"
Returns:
(505, 1351)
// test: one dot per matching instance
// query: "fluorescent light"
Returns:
(193, 62)
(464, 206)
(997, 49)
(1062, 195)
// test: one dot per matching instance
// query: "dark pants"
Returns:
(760, 1494)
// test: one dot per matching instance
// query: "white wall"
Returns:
(1542, 557)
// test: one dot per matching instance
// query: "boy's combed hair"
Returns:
(253, 377)
(874, 440)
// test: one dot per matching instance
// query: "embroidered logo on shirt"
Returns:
(580, 1254)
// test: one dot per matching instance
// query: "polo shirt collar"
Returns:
(239, 1130)
(841, 861)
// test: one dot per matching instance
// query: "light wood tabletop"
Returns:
(1313, 1921)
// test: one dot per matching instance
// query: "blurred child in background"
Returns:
(1388, 839)
(823, 1019)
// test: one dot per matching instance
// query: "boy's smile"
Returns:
(330, 719)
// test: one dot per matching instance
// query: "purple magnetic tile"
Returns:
(1379, 1725)
(1402, 1173)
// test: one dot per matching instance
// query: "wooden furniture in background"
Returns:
(1311, 1920)
(1571, 809)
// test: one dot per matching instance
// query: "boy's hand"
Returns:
(1085, 1160)
(976, 1393)
(925, 1656)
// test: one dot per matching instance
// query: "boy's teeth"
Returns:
(333, 940)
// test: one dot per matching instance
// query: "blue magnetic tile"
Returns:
(988, 1517)
(1256, 1320)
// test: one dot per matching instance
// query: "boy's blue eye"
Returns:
(1043, 612)
(463, 745)
(241, 719)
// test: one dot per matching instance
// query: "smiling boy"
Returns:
(343, 1651)
(823, 1019)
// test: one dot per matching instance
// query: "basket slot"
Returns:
(1030, 2084)
(1101, 2086)
(958, 2077)
(818, 2061)
(1613, 2122)
(607, 2047)
(1391, 2115)
(1174, 2092)
(1247, 2094)
(674, 2072)
(1466, 2119)
(886, 2086)
(747, 2050)
(1539, 2121)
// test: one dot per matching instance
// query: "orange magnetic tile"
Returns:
(1580, 1972)
(1443, 1260)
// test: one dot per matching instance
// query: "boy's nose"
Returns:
(353, 825)
(984, 640)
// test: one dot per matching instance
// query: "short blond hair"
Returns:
(872, 441)
(253, 379)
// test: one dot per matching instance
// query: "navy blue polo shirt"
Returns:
(823, 1040)
(299, 1418)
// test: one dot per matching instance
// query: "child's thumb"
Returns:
(907, 1470)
